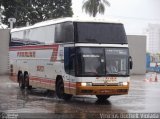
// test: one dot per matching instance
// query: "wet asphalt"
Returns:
(143, 97)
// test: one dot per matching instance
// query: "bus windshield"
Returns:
(117, 61)
(106, 33)
(102, 62)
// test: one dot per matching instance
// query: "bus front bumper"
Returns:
(102, 90)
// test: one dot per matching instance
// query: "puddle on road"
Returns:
(42, 101)
(12, 99)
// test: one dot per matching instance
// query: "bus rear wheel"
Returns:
(26, 79)
(102, 97)
(60, 91)
(21, 81)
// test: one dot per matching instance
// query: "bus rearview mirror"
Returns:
(130, 62)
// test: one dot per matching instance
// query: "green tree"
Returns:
(92, 7)
(34, 11)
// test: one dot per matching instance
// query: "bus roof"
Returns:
(61, 20)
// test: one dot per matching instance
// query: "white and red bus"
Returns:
(72, 57)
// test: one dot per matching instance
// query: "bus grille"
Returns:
(103, 84)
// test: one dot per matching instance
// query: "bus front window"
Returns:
(102, 62)
(90, 62)
(116, 61)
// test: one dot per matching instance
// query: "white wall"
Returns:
(137, 45)
(4, 48)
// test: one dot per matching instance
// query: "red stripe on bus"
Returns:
(69, 84)
(43, 80)
(54, 54)
(36, 47)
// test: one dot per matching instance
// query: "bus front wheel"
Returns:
(102, 97)
(60, 91)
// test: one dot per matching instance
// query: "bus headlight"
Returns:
(83, 84)
(86, 84)
(89, 84)
(125, 83)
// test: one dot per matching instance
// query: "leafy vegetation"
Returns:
(34, 11)
(92, 7)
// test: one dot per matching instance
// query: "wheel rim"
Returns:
(61, 90)
(20, 81)
(27, 81)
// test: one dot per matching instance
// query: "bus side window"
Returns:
(64, 32)
(69, 60)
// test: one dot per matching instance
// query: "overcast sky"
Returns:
(135, 14)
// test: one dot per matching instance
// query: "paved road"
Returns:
(143, 97)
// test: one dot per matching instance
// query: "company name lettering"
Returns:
(26, 54)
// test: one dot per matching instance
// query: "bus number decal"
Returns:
(40, 68)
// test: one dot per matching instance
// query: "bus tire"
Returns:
(26, 79)
(102, 97)
(21, 81)
(60, 91)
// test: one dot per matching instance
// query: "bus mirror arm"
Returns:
(130, 62)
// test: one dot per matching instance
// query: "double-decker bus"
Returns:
(72, 57)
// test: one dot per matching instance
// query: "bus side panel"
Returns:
(40, 62)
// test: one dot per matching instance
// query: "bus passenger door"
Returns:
(69, 65)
